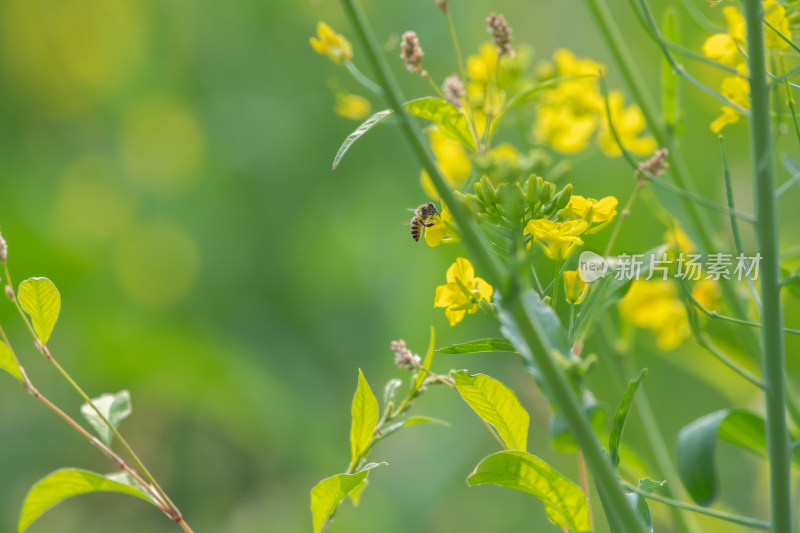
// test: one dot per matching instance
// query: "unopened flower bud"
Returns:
(548, 190)
(563, 197)
(411, 52)
(403, 357)
(574, 287)
(489, 192)
(390, 389)
(9, 293)
(453, 89)
(532, 189)
(441, 4)
(501, 34)
(3, 250)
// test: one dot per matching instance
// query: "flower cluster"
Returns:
(403, 357)
(574, 111)
(730, 47)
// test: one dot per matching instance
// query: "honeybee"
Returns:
(422, 216)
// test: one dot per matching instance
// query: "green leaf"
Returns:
(392, 428)
(426, 363)
(565, 503)
(697, 444)
(66, 483)
(497, 405)
(329, 493)
(793, 286)
(451, 121)
(114, 407)
(480, 345)
(620, 416)
(367, 125)
(40, 299)
(365, 413)
(8, 363)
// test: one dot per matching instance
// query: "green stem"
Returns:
(774, 350)
(728, 517)
(172, 509)
(530, 331)
(361, 78)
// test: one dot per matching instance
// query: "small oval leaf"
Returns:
(365, 413)
(451, 121)
(480, 345)
(329, 493)
(114, 407)
(497, 405)
(8, 363)
(565, 502)
(66, 483)
(697, 445)
(367, 125)
(41, 300)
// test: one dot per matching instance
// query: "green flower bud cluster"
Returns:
(510, 204)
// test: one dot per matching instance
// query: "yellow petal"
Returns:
(454, 316)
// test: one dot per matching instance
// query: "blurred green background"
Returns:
(168, 166)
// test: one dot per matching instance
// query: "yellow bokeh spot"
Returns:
(67, 55)
(157, 264)
(92, 206)
(163, 145)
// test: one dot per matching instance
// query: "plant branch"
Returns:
(774, 350)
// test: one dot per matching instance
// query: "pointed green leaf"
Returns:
(620, 416)
(8, 363)
(365, 413)
(451, 121)
(66, 483)
(114, 407)
(565, 503)
(367, 125)
(41, 300)
(329, 493)
(497, 405)
(426, 363)
(480, 345)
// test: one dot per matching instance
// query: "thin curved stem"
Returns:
(728, 517)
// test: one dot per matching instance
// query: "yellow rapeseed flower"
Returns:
(724, 47)
(442, 230)
(463, 292)
(629, 124)
(775, 14)
(603, 211)
(329, 43)
(655, 305)
(557, 239)
(452, 160)
(679, 241)
(737, 90)
(575, 288)
(352, 106)
(707, 292)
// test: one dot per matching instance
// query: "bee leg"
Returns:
(428, 224)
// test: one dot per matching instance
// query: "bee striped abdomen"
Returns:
(416, 228)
